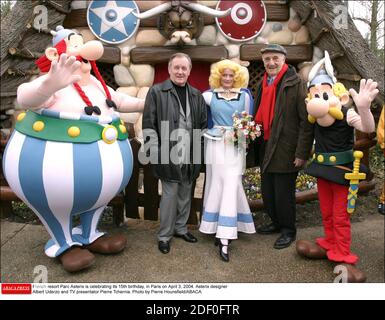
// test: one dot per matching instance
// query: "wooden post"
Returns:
(131, 197)
(151, 194)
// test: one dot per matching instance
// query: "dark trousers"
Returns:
(278, 194)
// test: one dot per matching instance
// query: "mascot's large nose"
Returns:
(317, 107)
(92, 50)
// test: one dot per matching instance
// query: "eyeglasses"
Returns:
(268, 59)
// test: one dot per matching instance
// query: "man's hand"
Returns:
(62, 73)
(298, 163)
(368, 91)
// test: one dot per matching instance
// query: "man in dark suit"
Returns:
(173, 109)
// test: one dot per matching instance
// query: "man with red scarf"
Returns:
(286, 142)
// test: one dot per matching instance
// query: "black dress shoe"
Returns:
(187, 237)
(164, 246)
(268, 229)
(284, 241)
(224, 256)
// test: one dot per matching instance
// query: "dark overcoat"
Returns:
(162, 105)
(291, 134)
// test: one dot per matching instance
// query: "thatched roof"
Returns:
(350, 53)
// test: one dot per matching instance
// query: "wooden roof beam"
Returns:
(295, 53)
(155, 55)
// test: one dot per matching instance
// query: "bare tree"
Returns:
(372, 14)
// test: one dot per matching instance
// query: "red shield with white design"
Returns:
(245, 21)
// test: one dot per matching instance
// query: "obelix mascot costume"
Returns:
(335, 164)
(69, 154)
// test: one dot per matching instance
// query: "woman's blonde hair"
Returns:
(241, 74)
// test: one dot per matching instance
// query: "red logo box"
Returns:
(16, 288)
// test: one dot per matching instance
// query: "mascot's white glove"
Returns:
(365, 121)
(368, 91)
(62, 73)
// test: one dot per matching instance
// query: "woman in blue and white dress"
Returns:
(226, 210)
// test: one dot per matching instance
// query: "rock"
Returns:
(294, 24)
(122, 76)
(208, 36)
(125, 60)
(79, 4)
(87, 34)
(277, 27)
(233, 50)
(302, 36)
(317, 54)
(284, 37)
(243, 63)
(128, 43)
(193, 42)
(221, 39)
(138, 128)
(125, 51)
(267, 29)
(305, 69)
(142, 93)
(143, 74)
(293, 13)
(211, 4)
(144, 5)
(131, 91)
(149, 37)
(125, 56)
(261, 40)
(131, 117)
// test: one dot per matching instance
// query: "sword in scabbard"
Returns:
(354, 178)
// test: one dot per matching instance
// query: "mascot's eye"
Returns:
(325, 96)
(316, 95)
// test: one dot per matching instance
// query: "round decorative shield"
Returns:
(112, 21)
(245, 21)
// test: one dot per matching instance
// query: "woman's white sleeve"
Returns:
(208, 95)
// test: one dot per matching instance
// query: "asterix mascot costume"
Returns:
(334, 163)
(69, 154)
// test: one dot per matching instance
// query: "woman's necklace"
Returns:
(228, 94)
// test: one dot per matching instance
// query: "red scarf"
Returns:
(265, 114)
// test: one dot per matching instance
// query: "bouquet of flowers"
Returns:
(244, 129)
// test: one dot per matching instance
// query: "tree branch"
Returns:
(362, 19)
(379, 23)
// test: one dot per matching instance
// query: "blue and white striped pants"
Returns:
(58, 180)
